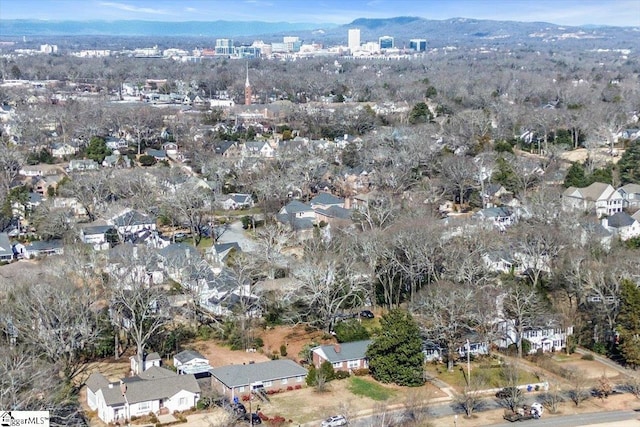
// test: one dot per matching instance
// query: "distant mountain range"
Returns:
(455, 31)
(25, 27)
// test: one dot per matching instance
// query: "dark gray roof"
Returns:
(620, 219)
(180, 254)
(348, 351)
(239, 198)
(158, 154)
(335, 212)
(35, 198)
(240, 375)
(5, 245)
(153, 384)
(43, 245)
(187, 355)
(296, 223)
(326, 199)
(133, 218)
(295, 206)
(497, 212)
(96, 229)
(96, 381)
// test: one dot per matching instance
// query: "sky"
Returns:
(561, 12)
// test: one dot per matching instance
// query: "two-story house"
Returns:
(598, 197)
(631, 196)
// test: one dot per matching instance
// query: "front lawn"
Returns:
(361, 387)
(491, 377)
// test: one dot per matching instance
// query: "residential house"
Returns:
(500, 217)
(133, 222)
(159, 155)
(549, 337)
(258, 149)
(435, 352)
(191, 362)
(43, 184)
(116, 143)
(325, 201)
(630, 195)
(334, 216)
(636, 216)
(38, 170)
(598, 197)
(228, 149)
(236, 380)
(495, 195)
(61, 150)
(19, 209)
(299, 216)
(116, 160)
(219, 253)
(171, 148)
(594, 231)
(156, 390)
(622, 225)
(298, 210)
(43, 248)
(344, 356)
(501, 262)
(79, 165)
(237, 201)
(97, 236)
(178, 259)
(6, 250)
(149, 360)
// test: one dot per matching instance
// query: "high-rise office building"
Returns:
(354, 39)
(419, 45)
(385, 42)
(224, 47)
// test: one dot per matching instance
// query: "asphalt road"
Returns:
(603, 418)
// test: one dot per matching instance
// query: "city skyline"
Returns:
(561, 12)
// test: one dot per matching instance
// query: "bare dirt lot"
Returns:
(589, 368)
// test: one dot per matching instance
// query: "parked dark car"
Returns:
(368, 314)
(508, 392)
(252, 418)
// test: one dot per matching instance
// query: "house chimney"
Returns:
(337, 348)
(110, 385)
(123, 388)
(605, 222)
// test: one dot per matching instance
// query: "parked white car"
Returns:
(335, 421)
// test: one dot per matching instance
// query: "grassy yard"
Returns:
(492, 377)
(361, 387)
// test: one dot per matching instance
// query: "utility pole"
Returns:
(468, 363)
(250, 399)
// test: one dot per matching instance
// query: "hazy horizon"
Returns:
(620, 13)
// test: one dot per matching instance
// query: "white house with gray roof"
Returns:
(191, 362)
(236, 380)
(631, 195)
(343, 357)
(156, 390)
(133, 222)
(599, 197)
(237, 201)
(622, 225)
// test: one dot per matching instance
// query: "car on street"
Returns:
(335, 421)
